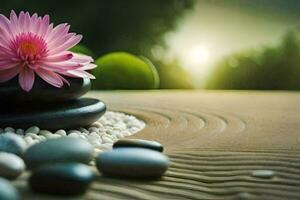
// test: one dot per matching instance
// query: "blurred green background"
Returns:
(212, 44)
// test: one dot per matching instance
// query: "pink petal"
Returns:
(60, 40)
(6, 75)
(22, 21)
(60, 66)
(67, 45)
(5, 27)
(78, 74)
(27, 25)
(59, 58)
(50, 77)
(58, 32)
(6, 64)
(88, 67)
(83, 59)
(26, 78)
(44, 25)
(64, 80)
(14, 22)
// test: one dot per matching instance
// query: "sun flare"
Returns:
(198, 55)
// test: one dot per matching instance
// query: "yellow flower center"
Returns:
(28, 48)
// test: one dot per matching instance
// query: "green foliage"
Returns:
(81, 49)
(270, 68)
(173, 76)
(120, 70)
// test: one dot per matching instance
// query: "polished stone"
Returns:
(61, 179)
(52, 116)
(61, 150)
(11, 165)
(139, 143)
(42, 91)
(12, 143)
(132, 163)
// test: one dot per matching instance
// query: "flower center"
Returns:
(30, 47)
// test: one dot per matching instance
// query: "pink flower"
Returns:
(30, 46)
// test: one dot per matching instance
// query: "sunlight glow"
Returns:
(198, 55)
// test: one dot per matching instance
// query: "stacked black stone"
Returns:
(48, 107)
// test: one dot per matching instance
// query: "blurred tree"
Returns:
(269, 68)
(174, 76)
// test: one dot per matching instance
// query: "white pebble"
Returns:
(93, 129)
(45, 133)
(94, 137)
(29, 141)
(52, 136)
(33, 129)
(83, 130)
(103, 146)
(20, 131)
(73, 134)
(106, 139)
(9, 129)
(97, 125)
(74, 131)
(61, 132)
(101, 134)
(32, 135)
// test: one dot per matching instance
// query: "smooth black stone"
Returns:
(139, 143)
(7, 191)
(12, 143)
(43, 91)
(132, 163)
(52, 116)
(61, 150)
(62, 179)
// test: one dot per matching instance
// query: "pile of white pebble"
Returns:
(102, 134)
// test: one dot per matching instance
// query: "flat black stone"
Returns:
(52, 116)
(139, 143)
(43, 91)
(131, 162)
(61, 179)
(61, 150)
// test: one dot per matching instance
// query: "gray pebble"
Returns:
(8, 191)
(132, 162)
(62, 178)
(263, 173)
(64, 149)
(11, 165)
(12, 143)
